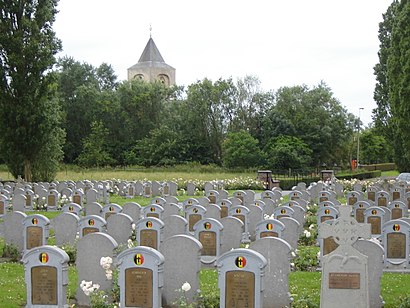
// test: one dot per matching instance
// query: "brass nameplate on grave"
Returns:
(1, 207)
(224, 211)
(382, 201)
(28, 200)
(77, 199)
(396, 195)
(193, 219)
(268, 233)
(89, 230)
(149, 238)
(376, 225)
(324, 218)
(360, 215)
(51, 200)
(321, 199)
(396, 213)
(329, 245)
(352, 200)
(44, 285)
(166, 190)
(396, 246)
(212, 199)
(371, 195)
(240, 289)
(155, 215)
(344, 280)
(138, 287)
(281, 216)
(34, 237)
(208, 241)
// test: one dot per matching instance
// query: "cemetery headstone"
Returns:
(150, 232)
(209, 232)
(269, 227)
(91, 224)
(36, 231)
(119, 226)
(13, 229)
(396, 242)
(132, 209)
(65, 228)
(232, 235)
(174, 225)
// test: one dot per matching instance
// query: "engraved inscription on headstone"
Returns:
(396, 213)
(396, 195)
(138, 287)
(268, 233)
(396, 246)
(34, 237)
(382, 201)
(241, 217)
(149, 238)
(88, 230)
(44, 285)
(240, 289)
(77, 199)
(51, 200)
(344, 280)
(360, 215)
(208, 241)
(329, 245)
(352, 200)
(371, 195)
(153, 214)
(324, 218)
(224, 211)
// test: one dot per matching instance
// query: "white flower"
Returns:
(96, 286)
(311, 227)
(293, 254)
(106, 262)
(307, 233)
(133, 226)
(108, 274)
(130, 243)
(186, 287)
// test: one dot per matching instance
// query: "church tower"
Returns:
(151, 66)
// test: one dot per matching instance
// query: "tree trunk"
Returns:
(27, 170)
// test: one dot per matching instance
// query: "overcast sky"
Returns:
(282, 42)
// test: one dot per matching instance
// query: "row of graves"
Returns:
(177, 239)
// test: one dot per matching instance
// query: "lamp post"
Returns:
(358, 141)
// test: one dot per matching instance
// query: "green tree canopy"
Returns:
(30, 116)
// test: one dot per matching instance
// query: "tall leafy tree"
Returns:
(398, 81)
(30, 120)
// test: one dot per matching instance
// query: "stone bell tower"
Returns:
(152, 67)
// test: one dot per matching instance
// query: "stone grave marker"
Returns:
(193, 214)
(93, 208)
(174, 225)
(283, 211)
(269, 227)
(358, 210)
(374, 252)
(357, 187)
(371, 193)
(249, 197)
(291, 232)
(242, 213)
(91, 224)
(156, 188)
(36, 231)
(90, 250)
(269, 207)
(208, 186)
(4, 205)
(278, 253)
(345, 279)
(13, 229)
(171, 199)
(326, 213)
(204, 201)
(259, 203)
(353, 197)
(295, 195)
(241, 278)
(111, 209)
(170, 209)
(153, 210)
(224, 204)
(159, 201)
(52, 200)
(65, 228)
(213, 196)
(140, 277)
(209, 232)
(19, 203)
(119, 226)
(213, 211)
(188, 202)
(396, 193)
(325, 195)
(255, 216)
(374, 216)
(398, 209)
(326, 245)
(396, 242)
(30, 196)
(232, 235)
(190, 189)
(186, 257)
(132, 209)
(139, 188)
(150, 232)
(78, 197)
(223, 194)
(91, 195)
(382, 198)
(46, 276)
(72, 208)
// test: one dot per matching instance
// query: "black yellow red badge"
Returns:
(396, 227)
(327, 211)
(43, 257)
(91, 222)
(149, 224)
(269, 226)
(34, 221)
(374, 212)
(240, 262)
(238, 211)
(139, 259)
(207, 225)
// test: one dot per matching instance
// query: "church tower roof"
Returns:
(151, 53)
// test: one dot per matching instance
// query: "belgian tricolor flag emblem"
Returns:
(269, 226)
(111, 209)
(71, 208)
(396, 227)
(240, 262)
(43, 257)
(207, 225)
(195, 210)
(34, 221)
(283, 211)
(327, 211)
(374, 212)
(238, 211)
(360, 205)
(149, 224)
(152, 209)
(91, 222)
(139, 259)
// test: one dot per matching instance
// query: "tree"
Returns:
(398, 82)
(241, 150)
(29, 123)
(374, 148)
(95, 152)
(287, 152)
